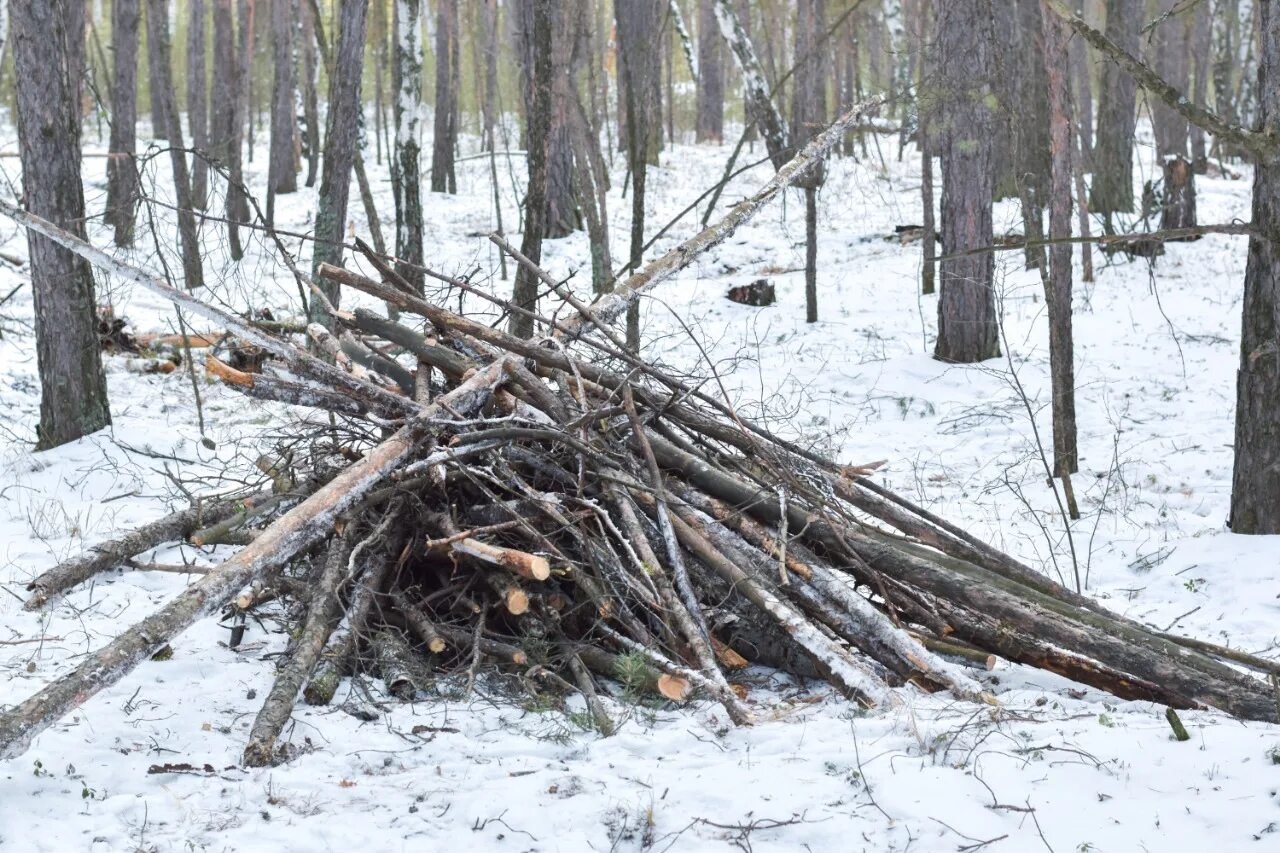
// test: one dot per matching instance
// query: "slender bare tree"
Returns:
(808, 117)
(445, 139)
(122, 171)
(197, 102)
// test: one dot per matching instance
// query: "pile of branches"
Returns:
(564, 509)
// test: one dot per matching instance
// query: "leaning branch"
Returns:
(612, 305)
(1261, 144)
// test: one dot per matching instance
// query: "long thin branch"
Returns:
(1261, 144)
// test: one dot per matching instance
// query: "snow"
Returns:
(1054, 767)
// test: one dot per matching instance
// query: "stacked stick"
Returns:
(564, 509)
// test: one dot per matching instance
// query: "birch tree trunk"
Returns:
(445, 139)
(1112, 188)
(763, 113)
(281, 176)
(122, 172)
(162, 92)
(1255, 485)
(406, 159)
(73, 389)
(197, 103)
(967, 330)
(341, 138)
(1058, 282)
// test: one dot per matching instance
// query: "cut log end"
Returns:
(674, 687)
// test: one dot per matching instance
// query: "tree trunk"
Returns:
(534, 35)
(310, 97)
(162, 91)
(445, 139)
(341, 138)
(159, 129)
(1255, 486)
(1201, 36)
(122, 172)
(808, 118)
(967, 330)
(638, 23)
(1058, 282)
(926, 108)
(1171, 45)
(73, 398)
(237, 201)
(1079, 55)
(281, 176)
(406, 159)
(761, 109)
(197, 106)
(489, 46)
(1112, 188)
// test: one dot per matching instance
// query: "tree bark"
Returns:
(122, 172)
(163, 92)
(808, 117)
(1058, 281)
(159, 127)
(237, 201)
(197, 103)
(406, 168)
(1112, 188)
(341, 139)
(535, 44)
(445, 138)
(967, 322)
(763, 113)
(281, 175)
(310, 96)
(1255, 485)
(73, 389)
(638, 23)
(1201, 41)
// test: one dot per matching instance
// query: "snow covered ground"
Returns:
(1055, 767)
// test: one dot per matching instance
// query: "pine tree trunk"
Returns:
(1058, 282)
(341, 138)
(1112, 188)
(967, 330)
(197, 103)
(1255, 486)
(710, 96)
(1171, 44)
(162, 92)
(535, 35)
(406, 159)
(73, 399)
(122, 172)
(489, 103)
(445, 140)
(237, 201)
(159, 129)
(560, 218)
(281, 176)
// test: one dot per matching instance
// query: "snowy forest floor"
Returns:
(1056, 767)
